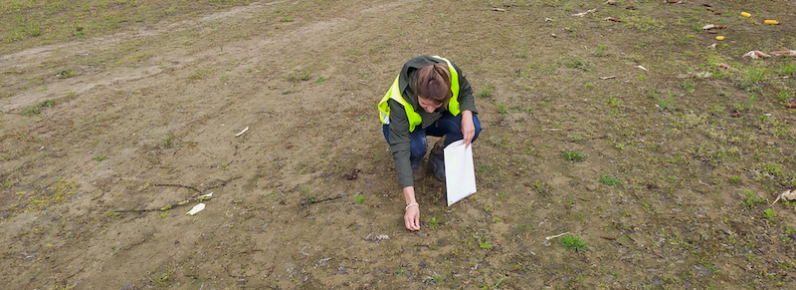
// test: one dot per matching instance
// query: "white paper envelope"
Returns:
(459, 171)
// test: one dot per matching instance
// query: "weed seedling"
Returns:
(689, 86)
(574, 156)
(502, 109)
(750, 199)
(486, 92)
(575, 63)
(573, 243)
(360, 199)
(768, 215)
(600, 50)
(735, 179)
(787, 69)
(306, 76)
(100, 157)
(486, 245)
(167, 143)
(667, 103)
(434, 224)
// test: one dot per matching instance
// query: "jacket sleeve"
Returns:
(466, 99)
(400, 139)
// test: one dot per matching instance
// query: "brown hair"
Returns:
(433, 82)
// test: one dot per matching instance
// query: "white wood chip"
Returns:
(241, 132)
(197, 208)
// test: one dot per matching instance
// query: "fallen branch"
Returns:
(177, 185)
(223, 182)
(311, 202)
(168, 207)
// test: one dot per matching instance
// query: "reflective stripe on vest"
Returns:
(414, 118)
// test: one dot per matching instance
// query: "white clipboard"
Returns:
(459, 171)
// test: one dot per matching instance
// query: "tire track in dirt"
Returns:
(30, 59)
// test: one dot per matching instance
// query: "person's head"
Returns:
(433, 86)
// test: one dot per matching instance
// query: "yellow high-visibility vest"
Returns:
(394, 93)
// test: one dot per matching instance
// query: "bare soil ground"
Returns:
(661, 177)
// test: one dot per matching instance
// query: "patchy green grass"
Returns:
(751, 199)
(36, 109)
(31, 23)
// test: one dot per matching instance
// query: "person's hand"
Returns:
(412, 218)
(468, 129)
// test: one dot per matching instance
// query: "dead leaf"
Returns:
(585, 12)
(612, 19)
(610, 2)
(709, 26)
(788, 195)
(792, 105)
(712, 46)
(499, 9)
(755, 54)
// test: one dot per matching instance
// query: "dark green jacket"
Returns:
(399, 123)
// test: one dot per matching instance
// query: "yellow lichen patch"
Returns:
(53, 194)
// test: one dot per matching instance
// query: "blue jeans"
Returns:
(446, 125)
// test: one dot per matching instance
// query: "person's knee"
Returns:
(419, 146)
(418, 151)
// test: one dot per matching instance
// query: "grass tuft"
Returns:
(608, 180)
(574, 156)
(36, 109)
(573, 243)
